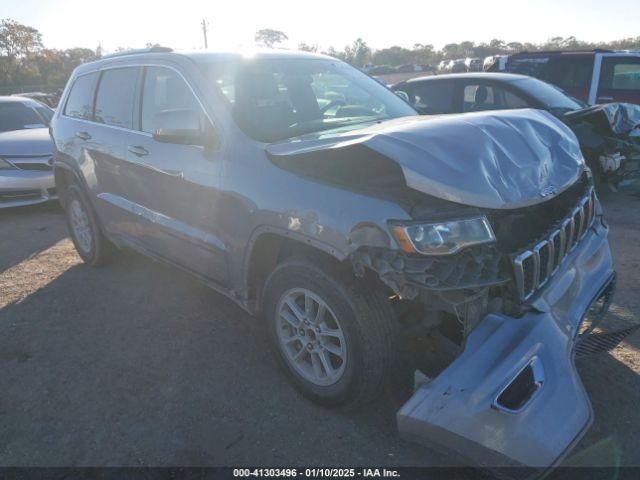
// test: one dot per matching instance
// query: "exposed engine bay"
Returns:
(609, 135)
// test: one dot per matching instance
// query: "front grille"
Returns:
(533, 267)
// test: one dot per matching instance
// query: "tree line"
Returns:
(360, 54)
(25, 63)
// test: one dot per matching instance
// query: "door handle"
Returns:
(83, 135)
(138, 150)
(173, 173)
(605, 99)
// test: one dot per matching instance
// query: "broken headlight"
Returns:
(445, 237)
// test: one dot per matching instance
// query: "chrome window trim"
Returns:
(134, 65)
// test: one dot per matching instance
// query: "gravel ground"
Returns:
(138, 364)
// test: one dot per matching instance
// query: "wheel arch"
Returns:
(269, 246)
(64, 175)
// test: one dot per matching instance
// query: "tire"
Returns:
(360, 311)
(91, 244)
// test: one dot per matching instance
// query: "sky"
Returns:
(232, 23)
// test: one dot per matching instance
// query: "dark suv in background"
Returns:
(594, 76)
(316, 198)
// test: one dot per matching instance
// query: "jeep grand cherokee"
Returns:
(314, 197)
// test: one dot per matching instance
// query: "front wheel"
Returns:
(335, 339)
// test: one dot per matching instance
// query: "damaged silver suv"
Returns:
(312, 195)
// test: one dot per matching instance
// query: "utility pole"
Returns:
(204, 32)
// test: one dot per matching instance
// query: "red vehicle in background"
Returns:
(593, 76)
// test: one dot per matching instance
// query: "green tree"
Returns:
(18, 40)
(358, 53)
(270, 37)
(308, 48)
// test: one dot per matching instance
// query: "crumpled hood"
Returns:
(31, 141)
(500, 159)
(609, 118)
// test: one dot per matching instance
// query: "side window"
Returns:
(434, 97)
(479, 97)
(80, 101)
(511, 100)
(115, 97)
(45, 113)
(164, 89)
(536, 66)
(572, 71)
(620, 73)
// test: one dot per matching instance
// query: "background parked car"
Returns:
(457, 66)
(593, 76)
(26, 175)
(609, 137)
(489, 61)
(381, 70)
(473, 64)
(49, 99)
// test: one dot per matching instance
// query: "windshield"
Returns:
(551, 97)
(18, 116)
(275, 99)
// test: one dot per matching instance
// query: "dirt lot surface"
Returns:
(138, 364)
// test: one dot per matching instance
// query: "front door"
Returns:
(178, 184)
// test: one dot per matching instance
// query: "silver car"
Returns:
(26, 173)
(318, 200)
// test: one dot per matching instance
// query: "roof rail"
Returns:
(155, 49)
(584, 50)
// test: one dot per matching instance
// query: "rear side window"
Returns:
(80, 101)
(572, 71)
(434, 97)
(621, 73)
(45, 113)
(164, 89)
(480, 97)
(536, 66)
(115, 97)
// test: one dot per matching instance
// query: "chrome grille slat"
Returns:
(534, 267)
(544, 259)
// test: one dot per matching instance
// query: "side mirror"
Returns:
(181, 126)
(403, 95)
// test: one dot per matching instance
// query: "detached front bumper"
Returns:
(21, 187)
(513, 397)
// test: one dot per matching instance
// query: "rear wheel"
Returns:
(335, 339)
(91, 244)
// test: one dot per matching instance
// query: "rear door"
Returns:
(178, 184)
(107, 135)
(619, 79)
